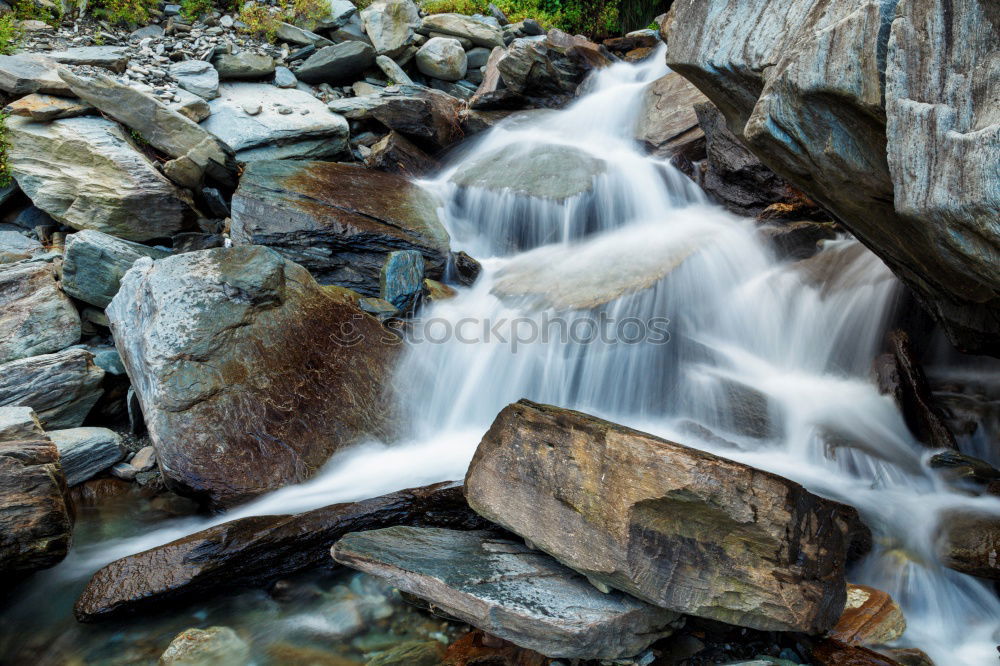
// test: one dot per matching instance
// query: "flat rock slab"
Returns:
(40, 107)
(114, 58)
(60, 387)
(26, 73)
(36, 317)
(478, 32)
(94, 264)
(86, 452)
(257, 550)
(693, 532)
(507, 590)
(290, 124)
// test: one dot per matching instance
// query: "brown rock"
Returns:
(870, 617)
(667, 123)
(255, 551)
(287, 654)
(40, 107)
(423, 114)
(395, 153)
(970, 543)
(831, 652)
(694, 532)
(478, 649)
(909, 656)
(492, 94)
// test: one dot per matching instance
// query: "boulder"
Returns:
(114, 58)
(197, 77)
(423, 114)
(95, 262)
(292, 34)
(870, 617)
(336, 14)
(36, 317)
(391, 25)
(340, 63)
(196, 151)
(43, 108)
(230, 418)
(215, 646)
(35, 519)
(60, 387)
(85, 174)
(552, 172)
(291, 124)
(26, 73)
(846, 99)
(86, 452)
(243, 66)
(442, 58)
(284, 78)
(189, 105)
(492, 94)
(337, 220)
(507, 590)
(550, 70)
(476, 31)
(970, 543)
(667, 124)
(255, 551)
(694, 533)
(397, 154)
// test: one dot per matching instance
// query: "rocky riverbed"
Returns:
(229, 436)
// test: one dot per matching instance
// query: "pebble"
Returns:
(251, 109)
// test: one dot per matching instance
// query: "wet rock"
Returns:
(478, 32)
(168, 131)
(36, 317)
(391, 25)
(667, 123)
(85, 174)
(411, 653)
(339, 63)
(43, 108)
(95, 262)
(243, 66)
(507, 590)
(909, 656)
(423, 114)
(26, 73)
(797, 240)
(395, 153)
(957, 465)
(442, 58)
(476, 647)
(870, 617)
(549, 71)
(35, 519)
(215, 646)
(114, 58)
(337, 220)
(310, 131)
(659, 536)
(549, 172)
(401, 278)
(196, 332)
(831, 652)
(60, 387)
(970, 543)
(197, 77)
(255, 551)
(86, 452)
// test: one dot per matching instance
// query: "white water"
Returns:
(737, 317)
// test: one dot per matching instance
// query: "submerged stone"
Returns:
(546, 172)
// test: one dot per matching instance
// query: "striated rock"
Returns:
(970, 543)
(391, 25)
(95, 262)
(26, 73)
(492, 94)
(667, 123)
(243, 66)
(255, 551)
(114, 58)
(15, 246)
(401, 278)
(549, 71)
(397, 154)
(85, 174)
(337, 220)
(507, 590)
(846, 99)
(311, 131)
(340, 63)
(546, 172)
(86, 452)
(198, 151)
(43, 108)
(229, 418)
(870, 617)
(694, 533)
(36, 317)
(215, 646)
(60, 387)
(197, 77)
(337, 13)
(442, 58)
(476, 31)
(35, 520)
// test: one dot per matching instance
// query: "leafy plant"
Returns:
(5, 175)
(191, 10)
(259, 21)
(10, 34)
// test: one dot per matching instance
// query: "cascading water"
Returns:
(639, 301)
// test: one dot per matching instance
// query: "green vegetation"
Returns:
(26, 10)
(5, 176)
(123, 12)
(596, 19)
(192, 10)
(259, 21)
(10, 34)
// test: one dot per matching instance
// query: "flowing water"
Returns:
(641, 302)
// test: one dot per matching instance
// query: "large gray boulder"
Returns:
(86, 452)
(198, 77)
(391, 25)
(694, 532)
(114, 58)
(84, 173)
(236, 405)
(340, 221)
(95, 262)
(881, 114)
(36, 317)
(442, 58)
(290, 124)
(478, 32)
(667, 123)
(60, 387)
(508, 591)
(243, 66)
(340, 63)
(26, 73)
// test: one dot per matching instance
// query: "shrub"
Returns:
(10, 33)
(594, 18)
(26, 10)
(259, 21)
(191, 10)
(123, 12)
(306, 12)
(5, 177)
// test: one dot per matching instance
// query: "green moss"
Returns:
(10, 34)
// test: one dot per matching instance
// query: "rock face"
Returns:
(36, 317)
(230, 415)
(694, 533)
(507, 590)
(86, 452)
(258, 550)
(84, 173)
(442, 58)
(60, 387)
(35, 522)
(290, 124)
(337, 220)
(667, 123)
(846, 100)
(95, 262)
